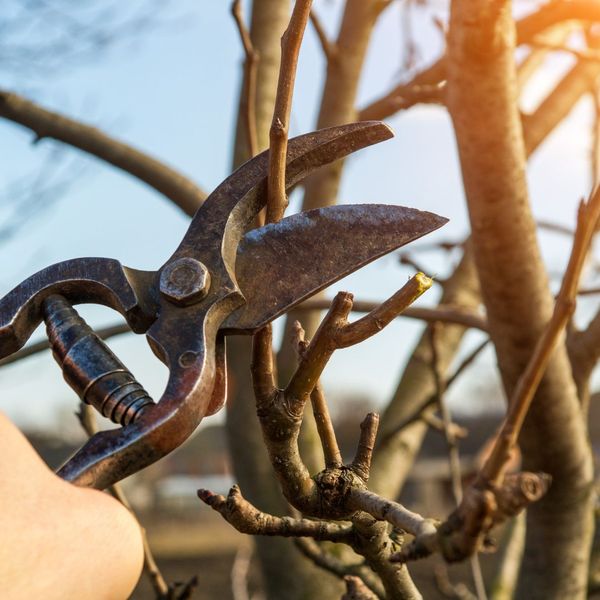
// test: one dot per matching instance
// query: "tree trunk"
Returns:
(392, 464)
(482, 102)
(286, 573)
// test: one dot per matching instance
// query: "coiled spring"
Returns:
(89, 366)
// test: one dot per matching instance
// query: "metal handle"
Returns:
(89, 366)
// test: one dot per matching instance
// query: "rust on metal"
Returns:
(221, 280)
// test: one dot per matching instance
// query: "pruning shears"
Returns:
(221, 280)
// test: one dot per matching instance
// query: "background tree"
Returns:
(479, 79)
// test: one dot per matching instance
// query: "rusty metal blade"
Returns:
(230, 208)
(282, 264)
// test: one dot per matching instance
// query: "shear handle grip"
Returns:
(89, 366)
(82, 280)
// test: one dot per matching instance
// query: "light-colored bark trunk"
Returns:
(338, 102)
(482, 103)
(286, 573)
(391, 467)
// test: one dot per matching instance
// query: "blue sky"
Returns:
(173, 92)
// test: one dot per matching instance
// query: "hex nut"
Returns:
(184, 281)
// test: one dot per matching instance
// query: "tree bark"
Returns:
(482, 103)
(392, 464)
(286, 573)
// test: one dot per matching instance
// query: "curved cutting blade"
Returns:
(284, 263)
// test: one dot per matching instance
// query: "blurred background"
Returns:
(164, 76)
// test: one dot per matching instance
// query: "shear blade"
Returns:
(282, 264)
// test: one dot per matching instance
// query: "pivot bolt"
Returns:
(184, 281)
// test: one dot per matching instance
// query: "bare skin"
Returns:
(59, 541)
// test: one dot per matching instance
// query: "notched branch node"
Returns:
(334, 489)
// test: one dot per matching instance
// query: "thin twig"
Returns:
(276, 196)
(453, 454)
(335, 332)
(328, 47)
(554, 227)
(340, 568)
(246, 518)
(248, 100)
(422, 411)
(442, 313)
(584, 292)
(278, 136)
(407, 260)
(331, 450)
(455, 430)
(527, 385)
(364, 453)
(467, 362)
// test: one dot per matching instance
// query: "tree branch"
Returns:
(442, 313)
(393, 512)
(331, 451)
(587, 219)
(335, 332)
(328, 47)
(425, 88)
(47, 124)
(248, 99)
(331, 563)
(357, 590)
(553, 13)
(559, 103)
(361, 464)
(246, 518)
(380, 317)
(290, 48)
